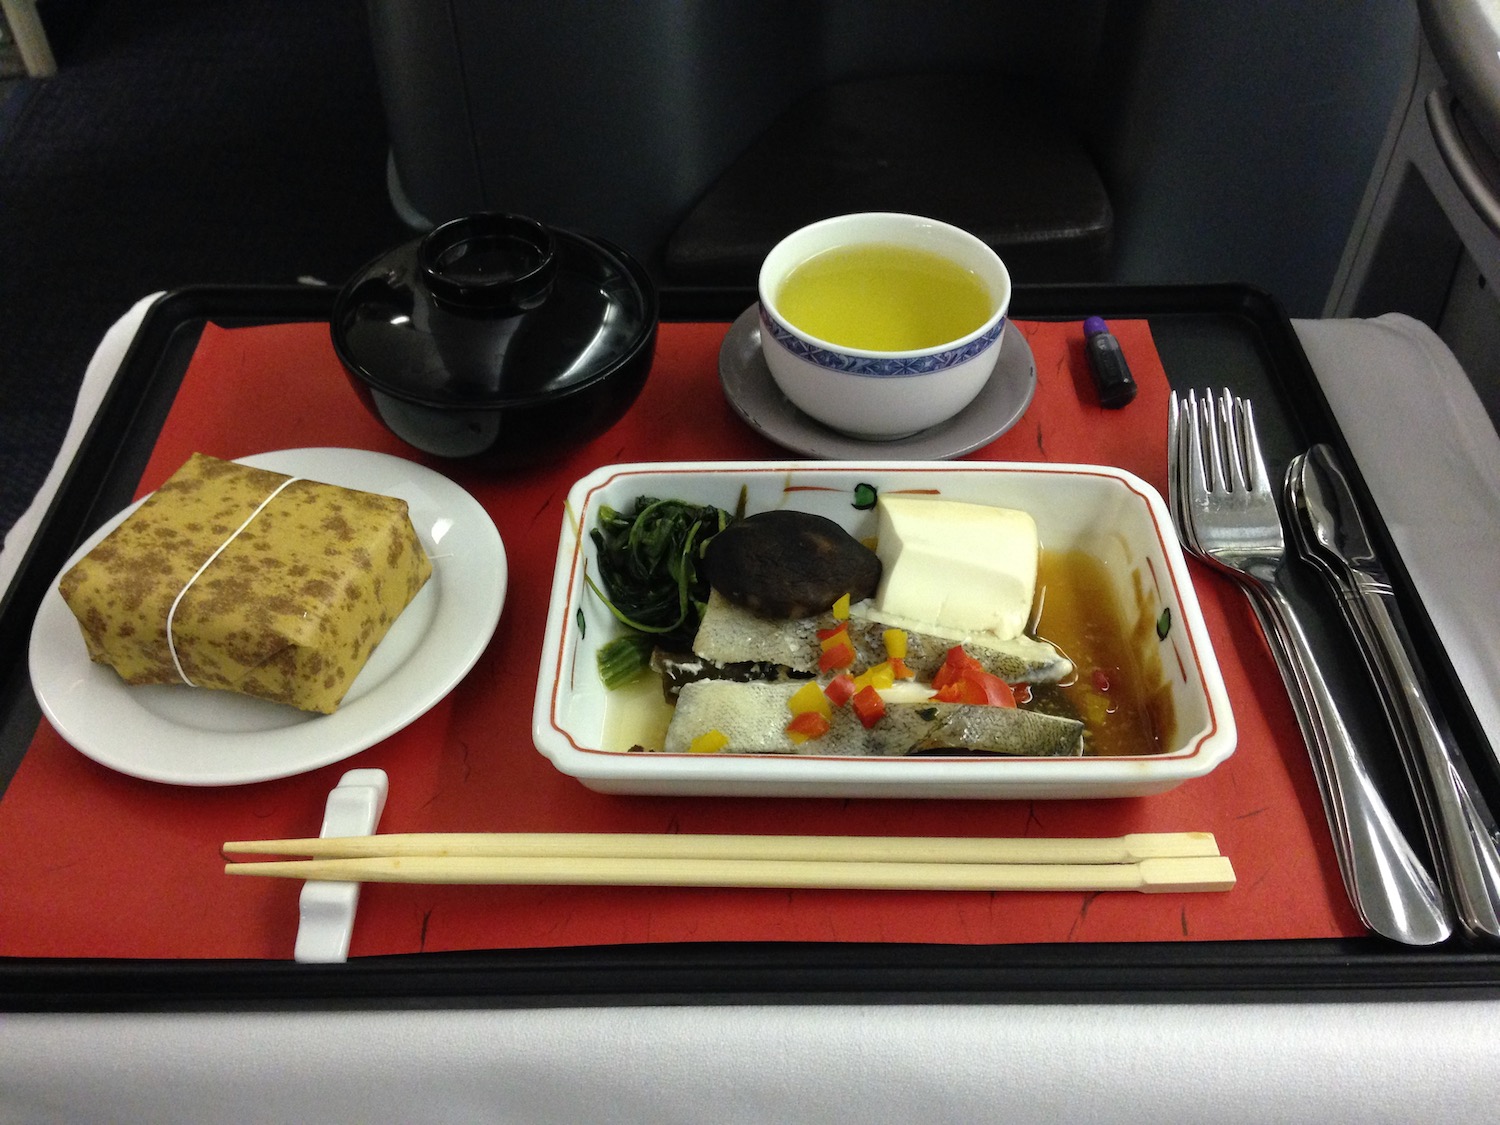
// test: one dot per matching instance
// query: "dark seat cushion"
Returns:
(991, 156)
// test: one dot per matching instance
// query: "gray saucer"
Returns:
(755, 397)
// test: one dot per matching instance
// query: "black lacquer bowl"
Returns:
(497, 338)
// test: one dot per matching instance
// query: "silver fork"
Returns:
(1181, 414)
(1225, 507)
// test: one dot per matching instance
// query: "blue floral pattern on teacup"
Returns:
(882, 367)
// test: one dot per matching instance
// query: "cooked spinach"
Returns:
(649, 559)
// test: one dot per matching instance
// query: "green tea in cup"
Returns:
(880, 324)
(884, 297)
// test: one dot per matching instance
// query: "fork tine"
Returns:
(1254, 461)
(1230, 417)
(1174, 462)
(1180, 417)
(1172, 409)
(1208, 436)
(1195, 480)
(1204, 476)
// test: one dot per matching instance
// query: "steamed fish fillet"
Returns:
(753, 716)
(731, 634)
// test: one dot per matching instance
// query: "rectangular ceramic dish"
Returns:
(1108, 513)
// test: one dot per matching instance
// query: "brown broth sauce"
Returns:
(1119, 689)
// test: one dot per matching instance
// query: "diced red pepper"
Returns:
(997, 693)
(961, 691)
(838, 656)
(833, 630)
(807, 725)
(957, 665)
(840, 689)
(868, 706)
(962, 679)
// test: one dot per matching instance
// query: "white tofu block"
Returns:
(967, 567)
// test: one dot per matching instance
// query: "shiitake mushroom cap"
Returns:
(790, 564)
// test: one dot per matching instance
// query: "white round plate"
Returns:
(757, 399)
(182, 735)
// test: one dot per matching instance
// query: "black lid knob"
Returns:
(489, 263)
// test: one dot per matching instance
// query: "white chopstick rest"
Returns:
(326, 909)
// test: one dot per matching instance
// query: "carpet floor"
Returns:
(182, 142)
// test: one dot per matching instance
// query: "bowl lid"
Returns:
(493, 309)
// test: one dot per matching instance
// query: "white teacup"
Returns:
(869, 393)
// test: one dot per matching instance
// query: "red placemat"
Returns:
(97, 864)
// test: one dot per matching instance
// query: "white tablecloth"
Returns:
(1154, 1064)
(1401, 405)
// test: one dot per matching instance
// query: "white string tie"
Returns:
(171, 613)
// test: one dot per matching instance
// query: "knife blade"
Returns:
(1335, 537)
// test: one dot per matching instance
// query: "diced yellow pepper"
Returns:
(709, 742)
(810, 697)
(895, 643)
(877, 676)
(841, 608)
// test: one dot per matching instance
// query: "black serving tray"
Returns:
(1207, 336)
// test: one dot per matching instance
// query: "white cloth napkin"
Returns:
(97, 378)
(1431, 457)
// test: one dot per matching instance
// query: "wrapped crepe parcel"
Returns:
(250, 581)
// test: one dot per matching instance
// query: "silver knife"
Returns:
(1457, 819)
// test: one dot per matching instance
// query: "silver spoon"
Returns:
(1332, 535)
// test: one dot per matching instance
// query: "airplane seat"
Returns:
(696, 134)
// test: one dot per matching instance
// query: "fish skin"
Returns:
(676, 669)
(731, 634)
(754, 717)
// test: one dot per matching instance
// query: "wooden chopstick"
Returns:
(1152, 862)
(863, 849)
(1162, 874)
